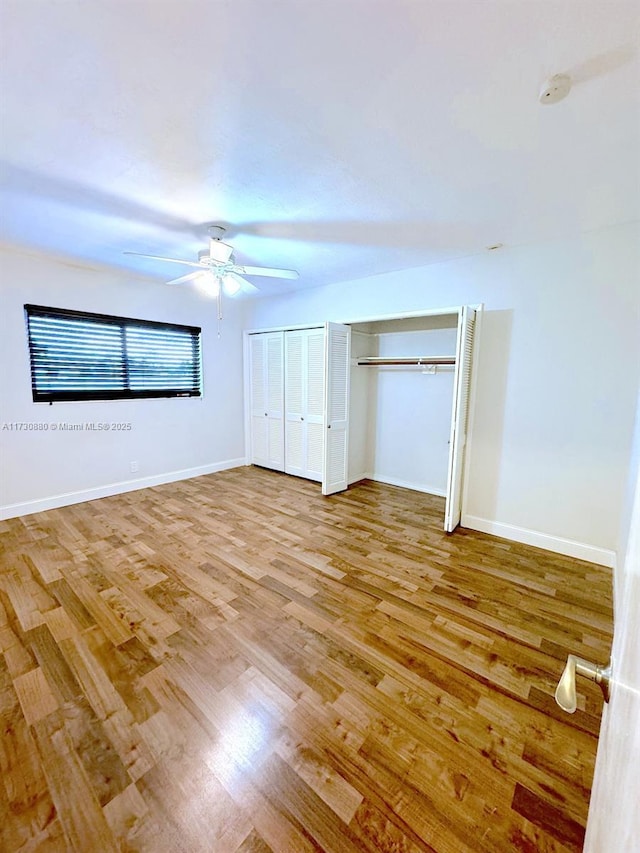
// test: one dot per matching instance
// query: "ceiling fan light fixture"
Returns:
(209, 284)
(230, 285)
(217, 271)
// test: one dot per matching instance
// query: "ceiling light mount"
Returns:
(555, 89)
(216, 232)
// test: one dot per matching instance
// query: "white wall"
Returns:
(361, 407)
(557, 377)
(169, 438)
(411, 419)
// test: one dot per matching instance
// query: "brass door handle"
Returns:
(566, 689)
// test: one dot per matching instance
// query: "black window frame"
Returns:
(125, 364)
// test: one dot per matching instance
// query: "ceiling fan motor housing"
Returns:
(218, 253)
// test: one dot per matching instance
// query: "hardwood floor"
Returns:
(235, 663)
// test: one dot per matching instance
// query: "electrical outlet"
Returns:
(133, 466)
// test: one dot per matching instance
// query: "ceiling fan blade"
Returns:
(171, 260)
(233, 283)
(188, 277)
(268, 271)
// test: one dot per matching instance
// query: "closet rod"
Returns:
(374, 361)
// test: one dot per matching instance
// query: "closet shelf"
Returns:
(418, 360)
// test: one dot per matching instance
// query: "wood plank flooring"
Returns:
(236, 664)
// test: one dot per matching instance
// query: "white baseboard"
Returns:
(68, 498)
(414, 487)
(568, 547)
(403, 484)
(358, 477)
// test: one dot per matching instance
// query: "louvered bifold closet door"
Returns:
(336, 425)
(459, 417)
(259, 413)
(267, 399)
(274, 372)
(294, 402)
(314, 419)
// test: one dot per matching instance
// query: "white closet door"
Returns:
(336, 409)
(267, 400)
(294, 402)
(459, 417)
(304, 403)
(274, 373)
(258, 402)
(314, 418)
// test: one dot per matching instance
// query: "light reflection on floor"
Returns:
(246, 737)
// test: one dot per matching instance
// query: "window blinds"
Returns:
(80, 356)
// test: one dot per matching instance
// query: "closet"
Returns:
(299, 402)
(410, 388)
(381, 398)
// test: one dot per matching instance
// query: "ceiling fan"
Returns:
(217, 268)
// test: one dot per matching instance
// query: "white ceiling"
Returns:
(341, 138)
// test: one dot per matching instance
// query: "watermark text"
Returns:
(66, 426)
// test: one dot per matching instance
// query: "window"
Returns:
(80, 356)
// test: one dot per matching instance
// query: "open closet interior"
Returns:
(402, 382)
(383, 399)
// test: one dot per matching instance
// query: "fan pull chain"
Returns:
(219, 303)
